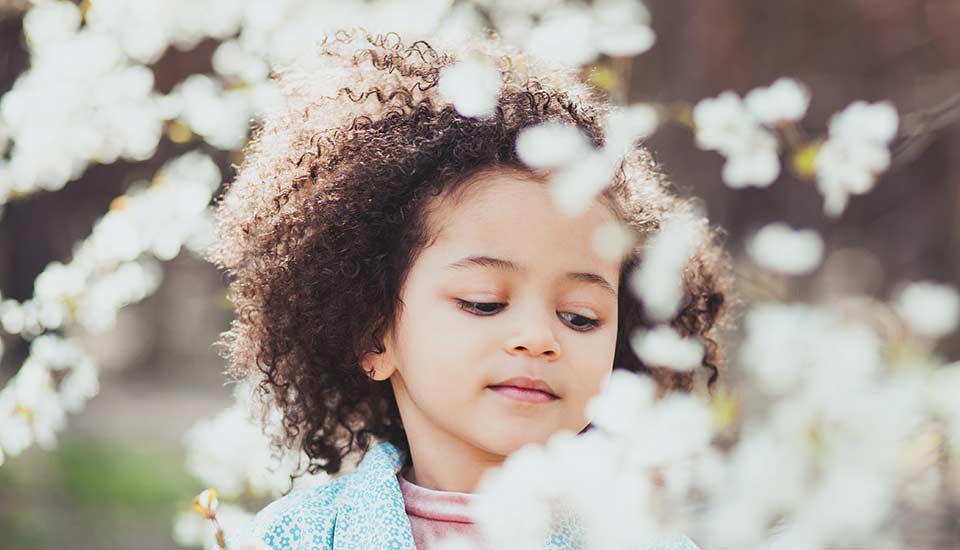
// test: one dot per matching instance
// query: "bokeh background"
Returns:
(117, 478)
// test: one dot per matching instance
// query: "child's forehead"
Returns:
(507, 196)
(513, 218)
(489, 183)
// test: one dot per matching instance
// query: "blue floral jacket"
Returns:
(363, 510)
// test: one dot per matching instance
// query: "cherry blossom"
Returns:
(779, 248)
(855, 152)
(724, 124)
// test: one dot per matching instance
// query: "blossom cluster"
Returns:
(116, 265)
(746, 132)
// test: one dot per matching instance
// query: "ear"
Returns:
(380, 366)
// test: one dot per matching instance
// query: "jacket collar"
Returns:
(370, 510)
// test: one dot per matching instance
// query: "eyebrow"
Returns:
(507, 265)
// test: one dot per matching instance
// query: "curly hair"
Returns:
(326, 215)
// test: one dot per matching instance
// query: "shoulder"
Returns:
(301, 519)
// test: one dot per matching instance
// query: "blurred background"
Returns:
(117, 477)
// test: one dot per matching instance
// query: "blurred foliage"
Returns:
(112, 494)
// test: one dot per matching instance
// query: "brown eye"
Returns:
(588, 323)
(475, 307)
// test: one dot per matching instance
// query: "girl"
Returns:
(411, 294)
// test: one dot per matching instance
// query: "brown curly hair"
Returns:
(326, 216)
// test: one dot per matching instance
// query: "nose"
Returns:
(534, 334)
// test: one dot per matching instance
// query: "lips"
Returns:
(525, 383)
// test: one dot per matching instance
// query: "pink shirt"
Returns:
(436, 514)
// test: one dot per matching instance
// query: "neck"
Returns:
(441, 460)
(440, 471)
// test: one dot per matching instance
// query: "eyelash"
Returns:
(463, 304)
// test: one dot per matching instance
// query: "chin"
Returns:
(509, 441)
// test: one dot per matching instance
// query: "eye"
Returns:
(472, 307)
(587, 325)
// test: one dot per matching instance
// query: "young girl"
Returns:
(411, 294)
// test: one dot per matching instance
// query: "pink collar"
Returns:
(433, 504)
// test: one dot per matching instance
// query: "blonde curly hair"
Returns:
(326, 215)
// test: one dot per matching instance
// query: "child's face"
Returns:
(443, 358)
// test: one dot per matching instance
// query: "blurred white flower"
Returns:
(613, 240)
(207, 503)
(564, 36)
(191, 530)
(220, 116)
(855, 153)
(622, 27)
(680, 424)
(929, 309)
(786, 100)
(658, 281)
(521, 487)
(147, 27)
(15, 431)
(624, 399)
(623, 126)
(941, 391)
(792, 345)
(574, 188)
(664, 347)
(552, 144)
(30, 411)
(11, 316)
(455, 542)
(574, 35)
(472, 86)
(82, 102)
(230, 452)
(77, 372)
(50, 21)
(725, 125)
(232, 59)
(779, 248)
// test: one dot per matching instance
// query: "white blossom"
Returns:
(855, 153)
(623, 126)
(613, 240)
(49, 22)
(472, 86)
(521, 487)
(724, 124)
(193, 531)
(664, 347)
(231, 452)
(455, 542)
(574, 35)
(564, 36)
(779, 248)
(929, 309)
(658, 281)
(220, 116)
(574, 188)
(941, 390)
(791, 345)
(552, 144)
(625, 397)
(622, 27)
(30, 411)
(786, 100)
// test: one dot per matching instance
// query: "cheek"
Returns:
(593, 364)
